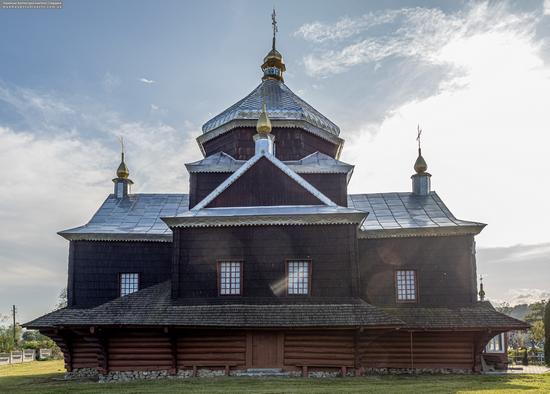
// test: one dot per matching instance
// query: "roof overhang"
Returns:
(261, 216)
(442, 231)
(83, 236)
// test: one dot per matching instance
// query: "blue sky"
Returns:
(475, 75)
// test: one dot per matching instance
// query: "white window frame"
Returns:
(230, 277)
(298, 274)
(496, 344)
(128, 283)
(406, 286)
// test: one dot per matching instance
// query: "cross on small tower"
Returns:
(274, 23)
(419, 131)
(481, 291)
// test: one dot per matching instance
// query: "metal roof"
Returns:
(138, 217)
(282, 105)
(396, 214)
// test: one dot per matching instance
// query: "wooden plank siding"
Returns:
(84, 353)
(445, 268)
(290, 144)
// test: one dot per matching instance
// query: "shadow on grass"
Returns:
(54, 383)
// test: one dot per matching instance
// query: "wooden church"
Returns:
(269, 265)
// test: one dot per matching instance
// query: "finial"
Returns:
(122, 171)
(273, 66)
(481, 291)
(275, 29)
(420, 165)
(263, 126)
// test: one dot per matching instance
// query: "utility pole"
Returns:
(14, 336)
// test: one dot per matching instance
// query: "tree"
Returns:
(62, 299)
(6, 338)
(547, 333)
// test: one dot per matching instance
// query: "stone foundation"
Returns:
(91, 373)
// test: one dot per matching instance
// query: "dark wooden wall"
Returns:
(445, 269)
(264, 250)
(94, 267)
(334, 186)
(290, 144)
(202, 184)
(264, 185)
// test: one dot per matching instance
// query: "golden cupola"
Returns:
(263, 126)
(273, 65)
(122, 171)
(122, 181)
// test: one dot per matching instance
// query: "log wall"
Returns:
(139, 351)
(84, 353)
(210, 348)
(426, 350)
(320, 349)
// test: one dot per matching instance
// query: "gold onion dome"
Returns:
(264, 124)
(420, 165)
(122, 170)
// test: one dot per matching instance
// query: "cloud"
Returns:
(546, 7)
(147, 81)
(110, 82)
(58, 159)
(418, 33)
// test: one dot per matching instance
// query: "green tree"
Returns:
(7, 343)
(547, 333)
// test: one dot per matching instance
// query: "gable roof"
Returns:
(247, 166)
(315, 163)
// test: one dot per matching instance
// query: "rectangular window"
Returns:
(495, 345)
(299, 275)
(129, 283)
(230, 277)
(405, 285)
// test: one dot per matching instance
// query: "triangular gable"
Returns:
(283, 171)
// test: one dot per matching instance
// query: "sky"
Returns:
(474, 75)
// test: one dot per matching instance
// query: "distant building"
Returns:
(268, 262)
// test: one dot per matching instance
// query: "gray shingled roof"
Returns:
(478, 315)
(282, 104)
(153, 306)
(138, 217)
(405, 214)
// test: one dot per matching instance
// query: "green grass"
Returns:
(46, 377)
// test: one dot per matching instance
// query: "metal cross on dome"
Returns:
(274, 23)
(419, 130)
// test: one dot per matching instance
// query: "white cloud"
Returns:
(418, 33)
(523, 296)
(56, 173)
(546, 7)
(147, 81)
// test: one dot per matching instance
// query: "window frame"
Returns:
(310, 274)
(219, 263)
(502, 341)
(120, 282)
(416, 298)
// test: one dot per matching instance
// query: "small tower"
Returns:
(122, 182)
(274, 65)
(421, 184)
(264, 139)
(481, 291)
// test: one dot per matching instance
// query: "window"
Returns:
(229, 277)
(129, 283)
(495, 345)
(405, 284)
(299, 275)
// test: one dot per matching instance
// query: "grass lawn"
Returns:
(46, 377)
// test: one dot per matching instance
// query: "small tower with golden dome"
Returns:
(273, 65)
(122, 181)
(421, 183)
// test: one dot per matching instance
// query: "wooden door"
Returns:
(265, 350)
